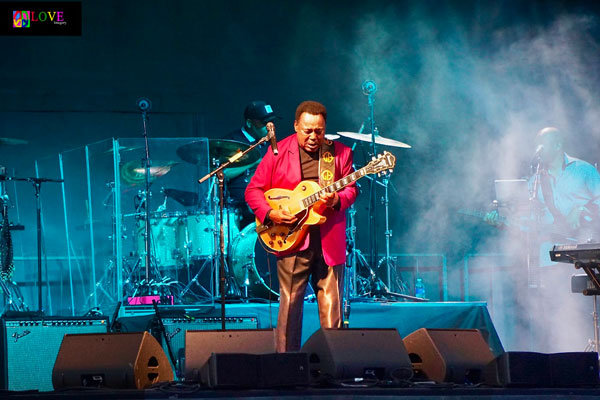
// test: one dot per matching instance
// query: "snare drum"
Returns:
(252, 266)
(199, 239)
(166, 234)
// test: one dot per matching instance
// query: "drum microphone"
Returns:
(272, 138)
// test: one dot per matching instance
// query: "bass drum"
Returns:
(166, 233)
(254, 268)
(199, 234)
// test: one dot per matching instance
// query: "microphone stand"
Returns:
(147, 211)
(532, 273)
(372, 187)
(221, 179)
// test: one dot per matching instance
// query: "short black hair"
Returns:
(311, 107)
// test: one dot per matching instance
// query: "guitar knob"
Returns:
(272, 234)
(271, 243)
(303, 188)
(279, 242)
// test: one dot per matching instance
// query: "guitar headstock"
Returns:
(381, 163)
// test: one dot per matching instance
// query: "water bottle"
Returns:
(420, 288)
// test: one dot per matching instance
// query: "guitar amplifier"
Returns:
(175, 329)
(30, 346)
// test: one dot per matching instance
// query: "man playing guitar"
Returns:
(307, 155)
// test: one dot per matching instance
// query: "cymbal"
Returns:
(366, 137)
(132, 172)
(332, 136)
(11, 141)
(220, 149)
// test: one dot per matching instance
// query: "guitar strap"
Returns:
(327, 163)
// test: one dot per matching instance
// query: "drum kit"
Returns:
(184, 243)
(209, 233)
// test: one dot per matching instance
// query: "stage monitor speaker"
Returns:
(449, 355)
(256, 370)
(519, 369)
(175, 329)
(199, 345)
(30, 346)
(357, 353)
(574, 369)
(112, 360)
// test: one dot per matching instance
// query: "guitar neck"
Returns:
(334, 187)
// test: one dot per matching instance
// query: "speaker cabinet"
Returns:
(357, 353)
(256, 370)
(30, 347)
(448, 355)
(199, 345)
(543, 370)
(574, 369)
(176, 328)
(113, 360)
(519, 369)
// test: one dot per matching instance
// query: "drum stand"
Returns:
(144, 258)
(389, 261)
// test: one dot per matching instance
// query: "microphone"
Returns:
(369, 87)
(144, 104)
(537, 156)
(538, 151)
(272, 138)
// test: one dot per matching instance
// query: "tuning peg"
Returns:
(373, 158)
(391, 170)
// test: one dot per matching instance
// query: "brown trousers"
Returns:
(293, 272)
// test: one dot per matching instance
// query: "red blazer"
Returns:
(284, 171)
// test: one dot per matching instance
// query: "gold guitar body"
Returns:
(284, 237)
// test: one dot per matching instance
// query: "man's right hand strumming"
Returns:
(282, 217)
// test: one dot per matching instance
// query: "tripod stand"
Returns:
(213, 259)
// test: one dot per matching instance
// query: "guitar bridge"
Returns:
(261, 228)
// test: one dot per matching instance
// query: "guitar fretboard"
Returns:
(334, 187)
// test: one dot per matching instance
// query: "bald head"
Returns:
(551, 140)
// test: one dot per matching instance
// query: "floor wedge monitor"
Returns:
(341, 354)
(449, 355)
(112, 360)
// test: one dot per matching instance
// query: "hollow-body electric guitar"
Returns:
(304, 203)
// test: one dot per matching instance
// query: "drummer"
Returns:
(256, 116)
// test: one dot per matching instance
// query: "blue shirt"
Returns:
(577, 185)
